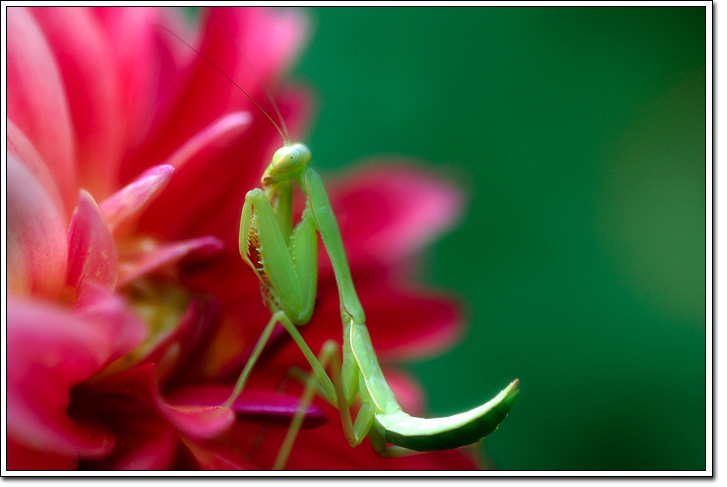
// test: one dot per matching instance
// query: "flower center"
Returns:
(160, 302)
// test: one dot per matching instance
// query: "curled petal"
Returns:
(167, 255)
(262, 405)
(175, 340)
(196, 421)
(129, 201)
(215, 133)
(166, 349)
(37, 248)
(233, 340)
(91, 248)
(37, 103)
(50, 351)
(204, 422)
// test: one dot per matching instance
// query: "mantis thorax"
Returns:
(289, 162)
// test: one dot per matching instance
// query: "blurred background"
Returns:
(578, 136)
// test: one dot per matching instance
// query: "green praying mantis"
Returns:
(285, 260)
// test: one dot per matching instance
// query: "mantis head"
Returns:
(288, 162)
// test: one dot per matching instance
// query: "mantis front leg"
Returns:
(287, 270)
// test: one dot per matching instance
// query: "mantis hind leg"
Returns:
(337, 390)
(354, 432)
(328, 355)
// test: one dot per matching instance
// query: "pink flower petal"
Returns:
(84, 57)
(20, 457)
(269, 40)
(37, 248)
(204, 422)
(91, 248)
(138, 43)
(128, 202)
(261, 405)
(134, 38)
(389, 211)
(235, 336)
(37, 102)
(49, 351)
(196, 421)
(214, 456)
(155, 453)
(167, 255)
(217, 132)
(23, 150)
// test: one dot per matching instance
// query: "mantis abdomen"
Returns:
(423, 434)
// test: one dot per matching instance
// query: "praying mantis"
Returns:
(285, 260)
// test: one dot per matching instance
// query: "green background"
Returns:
(578, 136)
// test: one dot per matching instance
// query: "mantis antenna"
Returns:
(284, 131)
(270, 96)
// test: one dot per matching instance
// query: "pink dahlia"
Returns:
(130, 313)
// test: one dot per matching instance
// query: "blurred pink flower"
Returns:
(130, 312)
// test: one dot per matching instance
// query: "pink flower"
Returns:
(130, 313)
